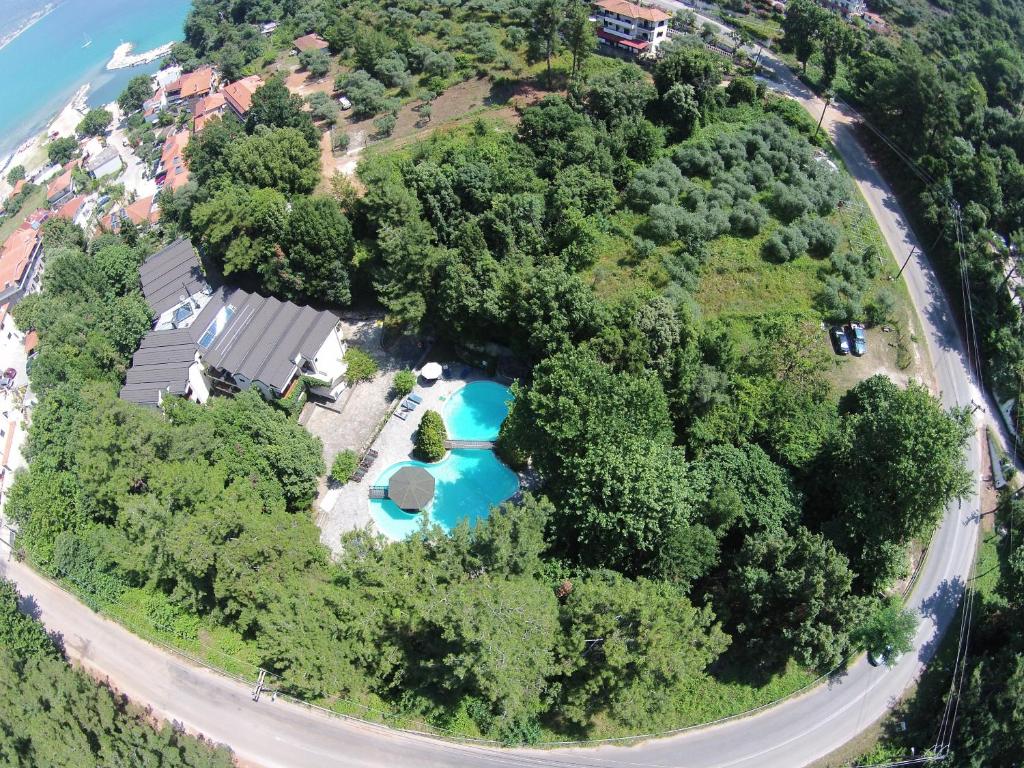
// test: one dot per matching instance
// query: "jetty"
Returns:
(124, 58)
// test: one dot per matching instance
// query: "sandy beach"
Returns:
(30, 153)
(124, 58)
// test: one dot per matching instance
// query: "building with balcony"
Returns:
(631, 27)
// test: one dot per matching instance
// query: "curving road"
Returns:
(285, 735)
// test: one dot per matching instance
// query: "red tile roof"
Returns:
(311, 42)
(141, 211)
(58, 186)
(18, 187)
(632, 10)
(31, 341)
(16, 255)
(173, 159)
(191, 84)
(71, 208)
(206, 109)
(239, 93)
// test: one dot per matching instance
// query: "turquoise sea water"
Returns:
(468, 483)
(476, 411)
(41, 69)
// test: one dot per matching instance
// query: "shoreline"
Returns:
(63, 124)
(32, 20)
(123, 57)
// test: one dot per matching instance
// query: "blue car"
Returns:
(858, 339)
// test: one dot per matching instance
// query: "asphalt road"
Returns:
(794, 733)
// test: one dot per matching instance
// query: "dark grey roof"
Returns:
(264, 336)
(169, 273)
(160, 365)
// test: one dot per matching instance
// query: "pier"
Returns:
(124, 58)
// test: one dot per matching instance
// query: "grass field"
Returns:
(36, 200)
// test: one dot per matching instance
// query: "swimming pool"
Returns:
(468, 483)
(476, 411)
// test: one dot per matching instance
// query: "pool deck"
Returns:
(347, 508)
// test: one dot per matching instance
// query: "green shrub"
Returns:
(361, 367)
(344, 466)
(404, 383)
(430, 437)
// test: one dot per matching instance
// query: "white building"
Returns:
(630, 26)
(106, 163)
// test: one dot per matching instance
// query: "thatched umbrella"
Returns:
(411, 488)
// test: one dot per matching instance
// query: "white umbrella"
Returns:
(431, 371)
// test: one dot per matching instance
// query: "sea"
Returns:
(43, 67)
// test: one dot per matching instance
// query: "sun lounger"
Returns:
(416, 399)
(372, 453)
(410, 405)
(402, 415)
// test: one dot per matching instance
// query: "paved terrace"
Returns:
(347, 508)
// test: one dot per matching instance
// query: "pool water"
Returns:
(476, 411)
(468, 483)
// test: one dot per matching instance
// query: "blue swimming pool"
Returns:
(476, 411)
(468, 483)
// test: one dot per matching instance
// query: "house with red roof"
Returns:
(21, 264)
(631, 27)
(239, 94)
(172, 172)
(207, 108)
(192, 85)
(61, 189)
(152, 106)
(310, 42)
(71, 208)
(143, 212)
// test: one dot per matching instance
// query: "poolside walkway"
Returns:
(348, 507)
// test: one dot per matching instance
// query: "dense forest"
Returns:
(707, 507)
(54, 716)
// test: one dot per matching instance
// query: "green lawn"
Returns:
(36, 200)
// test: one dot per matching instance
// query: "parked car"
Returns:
(839, 340)
(344, 103)
(7, 380)
(858, 339)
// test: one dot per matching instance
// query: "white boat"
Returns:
(87, 39)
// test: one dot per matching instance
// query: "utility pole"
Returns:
(828, 100)
(909, 257)
(259, 685)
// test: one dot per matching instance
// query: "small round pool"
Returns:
(476, 411)
(468, 483)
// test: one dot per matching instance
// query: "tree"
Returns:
(837, 41)
(316, 62)
(95, 122)
(628, 648)
(385, 125)
(368, 95)
(279, 159)
(888, 632)
(274, 106)
(403, 383)
(16, 174)
(60, 151)
(896, 461)
(323, 107)
(361, 367)
(548, 16)
(579, 34)
(138, 90)
(693, 66)
(317, 251)
(344, 466)
(801, 28)
(430, 437)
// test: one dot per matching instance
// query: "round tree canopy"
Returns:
(431, 371)
(411, 488)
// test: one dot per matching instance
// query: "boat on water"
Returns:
(87, 40)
